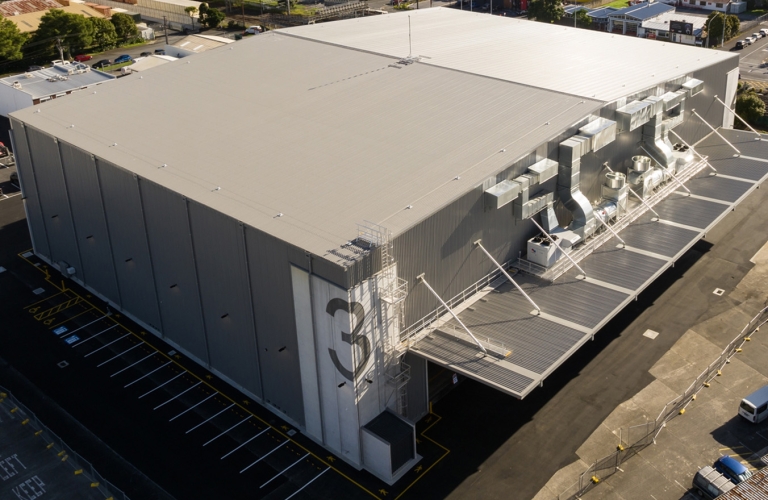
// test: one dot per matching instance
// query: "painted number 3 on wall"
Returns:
(353, 338)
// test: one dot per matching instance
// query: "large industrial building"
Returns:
(315, 213)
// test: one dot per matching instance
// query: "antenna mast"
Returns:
(409, 37)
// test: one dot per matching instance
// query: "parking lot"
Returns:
(173, 417)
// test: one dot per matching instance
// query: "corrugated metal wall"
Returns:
(97, 267)
(418, 389)
(219, 245)
(170, 245)
(125, 220)
(272, 295)
(31, 196)
(54, 198)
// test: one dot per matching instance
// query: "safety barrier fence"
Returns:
(17, 411)
(640, 436)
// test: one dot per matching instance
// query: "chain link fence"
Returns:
(640, 436)
(17, 411)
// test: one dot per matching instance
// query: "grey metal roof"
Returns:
(565, 59)
(574, 309)
(56, 79)
(643, 10)
(327, 136)
(601, 12)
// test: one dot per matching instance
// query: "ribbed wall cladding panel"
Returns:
(54, 198)
(133, 265)
(98, 268)
(464, 358)
(690, 211)
(718, 188)
(27, 175)
(219, 245)
(618, 266)
(170, 244)
(656, 237)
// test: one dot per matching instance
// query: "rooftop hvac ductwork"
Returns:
(592, 136)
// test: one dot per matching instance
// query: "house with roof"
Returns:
(629, 20)
(194, 44)
(599, 15)
(29, 22)
(18, 7)
(674, 27)
(35, 87)
(730, 7)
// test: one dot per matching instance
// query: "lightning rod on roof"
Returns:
(409, 37)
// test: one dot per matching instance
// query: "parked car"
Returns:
(102, 64)
(83, 58)
(750, 40)
(757, 36)
(123, 59)
(160, 52)
(732, 469)
(15, 180)
(253, 30)
(755, 406)
(146, 54)
(764, 31)
(710, 483)
(741, 44)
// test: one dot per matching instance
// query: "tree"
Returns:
(64, 31)
(547, 11)
(191, 11)
(213, 17)
(732, 26)
(715, 25)
(11, 40)
(125, 28)
(104, 34)
(583, 20)
(750, 107)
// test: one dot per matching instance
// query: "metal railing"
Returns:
(494, 347)
(640, 436)
(564, 265)
(57, 447)
(420, 325)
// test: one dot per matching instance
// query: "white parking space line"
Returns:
(176, 396)
(133, 364)
(240, 446)
(217, 437)
(310, 482)
(84, 326)
(106, 345)
(162, 385)
(94, 336)
(265, 456)
(146, 375)
(193, 407)
(204, 421)
(115, 357)
(284, 471)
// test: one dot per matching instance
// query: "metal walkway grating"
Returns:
(575, 309)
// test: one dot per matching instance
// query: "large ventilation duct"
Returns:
(571, 151)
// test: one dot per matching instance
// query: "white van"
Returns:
(755, 406)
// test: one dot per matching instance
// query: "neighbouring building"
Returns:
(195, 44)
(628, 20)
(674, 27)
(727, 7)
(35, 87)
(372, 208)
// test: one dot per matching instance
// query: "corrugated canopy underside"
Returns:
(327, 136)
(577, 61)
